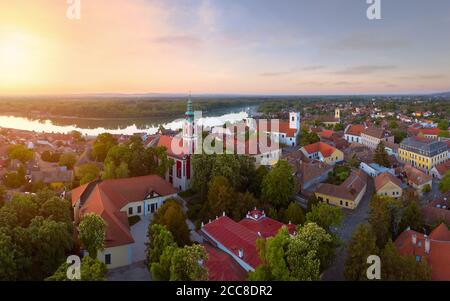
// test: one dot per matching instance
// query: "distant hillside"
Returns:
(443, 94)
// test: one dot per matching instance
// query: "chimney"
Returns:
(241, 253)
(223, 214)
(427, 245)
(259, 234)
(414, 239)
(203, 224)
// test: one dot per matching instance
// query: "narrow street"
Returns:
(352, 219)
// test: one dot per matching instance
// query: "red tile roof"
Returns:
(235, 236)
(166, 141)
(443, 168)
(107, 198)
(355, 129)
(430, 131)
(438, 257)
(326, 134)
(283, 127)
(349, 189)
(325, 149)
(384, 178)
(222, 267)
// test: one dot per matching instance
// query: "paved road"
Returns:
(352, 219)
(135, 272)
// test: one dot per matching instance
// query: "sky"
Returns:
(307, 47)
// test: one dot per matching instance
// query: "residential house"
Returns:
(348, 194)
(423, 153)
(388, 185)
(323, 152)
(57, 174)
(440, 170)
(435, 249)
(371, 137)
(417, 178)
(353, 132)
(115, 201)
(437, 211)
(374, 169)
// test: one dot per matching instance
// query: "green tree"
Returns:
(399, 135)
(2, 195)
(381, 157)
(57, 209)
(220, 197)
(256, 183)
(412, 217)
(202, 166)
(87, 173)
(92, 233)
(68, 160)
(187, 264)
(91, 270)
(8, 268)
(443, 124)
(23, 207)
(361, 246)
(20, 152)
(50, 241)
(171, 216)
(393, 124)
(102, 145)
(325, 216)
(228, 166)
(278, 185)
(159, 239)
(115, 172)
(444, 185)
(294, 214)
(243, 202)
(385, 216)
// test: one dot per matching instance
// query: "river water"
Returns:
(94, 127)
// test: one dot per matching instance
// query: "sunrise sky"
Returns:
(224, 46)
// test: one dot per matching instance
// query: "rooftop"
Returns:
(423, 146)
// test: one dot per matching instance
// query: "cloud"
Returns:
(313, 68)
(424, 77)
(364, 69)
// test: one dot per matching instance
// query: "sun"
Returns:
(16, 58)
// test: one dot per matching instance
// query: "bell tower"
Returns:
(189, 129)
(337, 113)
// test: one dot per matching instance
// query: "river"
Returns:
(94, 127)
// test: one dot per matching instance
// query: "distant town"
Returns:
(353, 177)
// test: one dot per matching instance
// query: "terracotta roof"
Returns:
(430, 131)
(355, 129)
(325, 149)
(384, 178)
(349, 189)
(326, 134)
(107, 198)
(416, 176)
(166, 141)
(376, 132)
(222, 267)
(437, 211)
(283, 127)
(443, 168)
(438, 257)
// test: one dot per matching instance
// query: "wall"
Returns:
(119, 256)
(391, 190)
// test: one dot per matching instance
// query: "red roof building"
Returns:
(435, 249)
(237, 240)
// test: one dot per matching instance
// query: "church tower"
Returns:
(337, 113)
(294, 121)
(189, 130)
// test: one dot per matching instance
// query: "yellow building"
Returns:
(347, 195)
(388, 185)
(423, 153)
(323, 152)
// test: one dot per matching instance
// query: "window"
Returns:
(130, 211)
(107, 258)
(139, 209)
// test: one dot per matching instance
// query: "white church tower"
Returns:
(189, 130)
(294, 121)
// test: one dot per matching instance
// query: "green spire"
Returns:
(190, 111)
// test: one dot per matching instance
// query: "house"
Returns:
(348, 194)
(57, 174)
(416, 178)
(430, 133)
(115, 201)
(374, 169)
(323, 152)
(353, 132)
(330, 120)
(423, 153)
(308, 174)
(391, 148)
(371, 137)
(435, 249)
(436, 212)
(440, 170)
(388, 185)
(231, 245)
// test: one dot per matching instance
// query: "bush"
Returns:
(426, 188)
